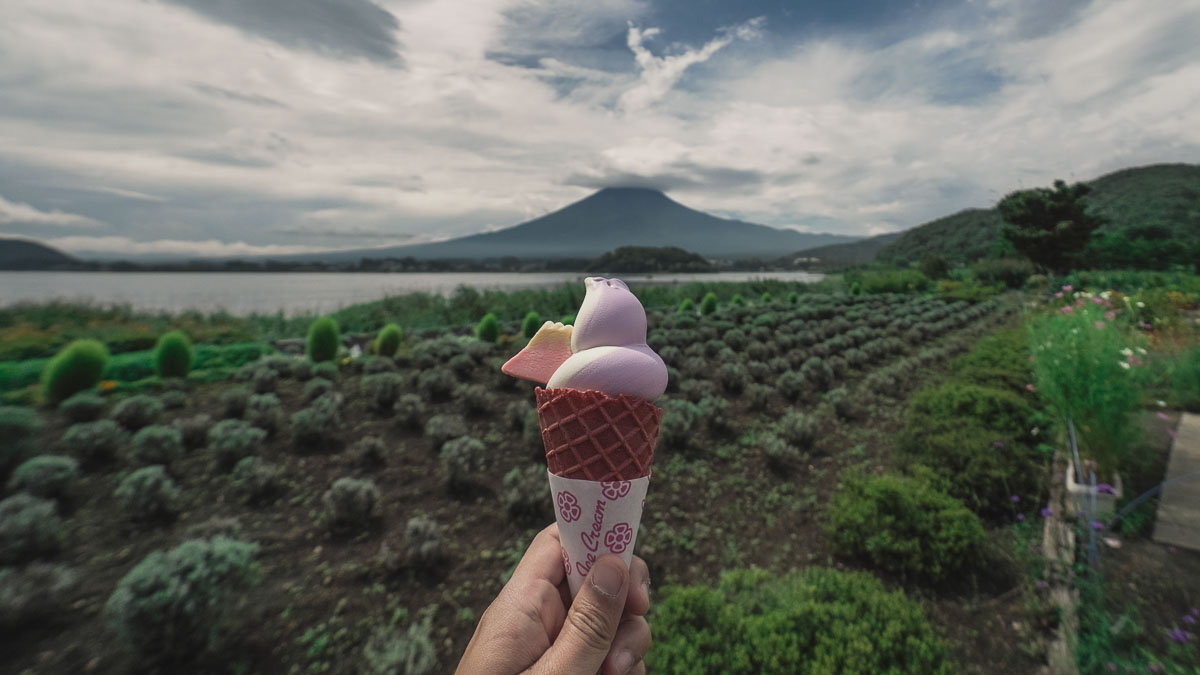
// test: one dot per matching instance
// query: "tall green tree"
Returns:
(1050, 227)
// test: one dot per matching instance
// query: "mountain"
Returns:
(1160, 202)
(606, 220)
(22, 254)
(858, 252)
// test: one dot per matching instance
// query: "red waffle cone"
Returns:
(592, 436)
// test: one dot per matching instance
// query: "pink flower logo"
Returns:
(617, 539)
(568, 507)
(615, 489)
(566, 561)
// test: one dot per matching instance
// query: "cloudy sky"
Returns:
(225, 127)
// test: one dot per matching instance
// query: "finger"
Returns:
(591, 623)
(639, 669)
(638, 602)
(629, 647)
(542, 560)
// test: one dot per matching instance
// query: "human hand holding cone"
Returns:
(598, 424)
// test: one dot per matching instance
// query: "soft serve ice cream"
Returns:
(598, 423)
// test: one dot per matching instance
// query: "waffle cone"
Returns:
(592, 436)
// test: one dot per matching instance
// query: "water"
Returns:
(294, 293)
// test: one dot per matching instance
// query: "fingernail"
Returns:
(624, 662)
(606, 577)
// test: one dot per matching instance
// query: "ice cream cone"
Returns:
(598, 452)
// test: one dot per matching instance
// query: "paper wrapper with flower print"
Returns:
(598, 452)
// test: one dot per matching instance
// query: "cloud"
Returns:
(340, 28)
(24, 214)
(660, 73)
(209, 248)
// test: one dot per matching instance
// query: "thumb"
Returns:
(591, 623)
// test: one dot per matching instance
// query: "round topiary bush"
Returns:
(231, 440)
(351, 504)
(175, 605)
(46, 476)
(76, 368)
(463, 459)
(476, 399)
(488, 328)
(86, 406)
(315, 428)
(95, 443)
(137, 411)
(265, 411)
(157, 444)
(530, 324)
(436, 384)
(318, 386)
(686, 307)
(410, 412)
(255, 479)
(29, 527)
(801, 623)
(173, 355)
(148, 495)
(388, 341)
(442, 428)
(798, 429)
(766, 298)
(382, 390)
(423, 539)
(737, 300)
(324, 339)
(905, 525)
(194, 430)
(708, 304)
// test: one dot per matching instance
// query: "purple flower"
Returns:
(1106, 489)
(1066, 309)
(1195, 612)
(999, 445)
(1189, 619)
(1014, 499)
(1021, 516)
(1068, 288)
(1161, 415)
(1047, 512)
(1042, 584)
(1179, 635)
(1029, 387)
(1097, 525)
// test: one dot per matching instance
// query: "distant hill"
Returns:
(645, 259)
(1165, 196)
(22, 254)
(858, 252)
(604, 221)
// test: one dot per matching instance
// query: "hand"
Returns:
(533, 626)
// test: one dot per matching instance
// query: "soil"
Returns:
(323, 595)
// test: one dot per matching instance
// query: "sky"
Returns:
(258, 127)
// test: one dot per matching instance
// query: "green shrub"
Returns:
(369, 452)
(389, 340)
(488, 328)
(315, 428)
(148, 494)
(18, 427)
(442, 428)
(1185, 380)
(436, 384)
(46, 476)
(1012, 272)
(954, 402)
(34, 593)
(265, 411)
(681, 422)
(793, 298)
(157, 444)
(325, 369)
(137, 411)
(382, 390)
(981, 467)
(529, 325)
(567, 320)
(233, 401)
(766, 298)
(173, 355)
(904, 525)
(687, 306)
(463, 459)
(424, 544)
(410, 412)
(391, 651)
(172, 606)
(255, 479)
(86, 406)
(801, 623)
(95, 443)
(264, 380)
(194, 430)
(708, 304)
(318, 386)
(29, 527)
(934, 266)
(76, 368)
(374, 365)
(324, 339)
(798, 429)
(737, 300)
(231, 440)
(173, 399)
(792, 385)
(525, 495)
(350, 504)
(781, 455)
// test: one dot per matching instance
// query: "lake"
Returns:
(295, 293)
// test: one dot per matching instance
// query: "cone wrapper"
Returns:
(596, 518)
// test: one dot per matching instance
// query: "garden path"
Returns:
(1178, 519)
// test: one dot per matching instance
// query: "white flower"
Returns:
(1141, 304)
(1161, 404)
(1141, 351)
(1106, 294)
(1124, 364)
(1127, 300)
(1127, 351)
